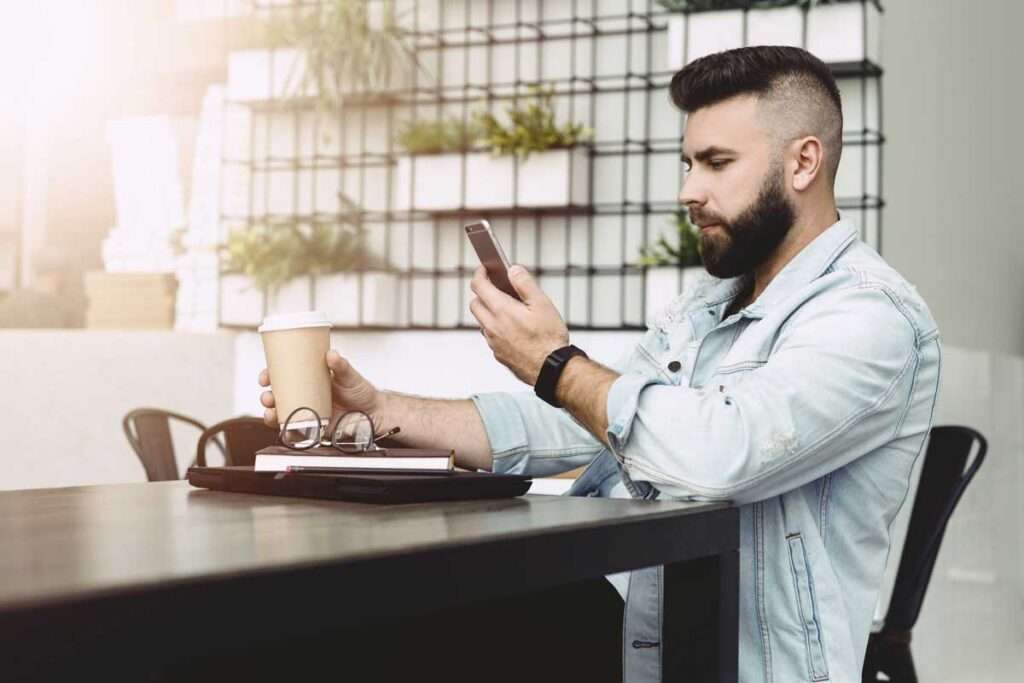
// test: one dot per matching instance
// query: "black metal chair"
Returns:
(243, 436)
(945, 475)
(149, 434)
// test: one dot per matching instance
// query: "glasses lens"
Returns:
(302, 429)
(354, 432)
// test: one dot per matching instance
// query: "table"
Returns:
(113, 577)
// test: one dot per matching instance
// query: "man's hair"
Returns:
(797, 91)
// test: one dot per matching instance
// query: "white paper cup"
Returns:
(295, 346)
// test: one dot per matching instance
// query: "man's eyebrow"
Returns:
(707, 153)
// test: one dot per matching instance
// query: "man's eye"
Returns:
(718, 164)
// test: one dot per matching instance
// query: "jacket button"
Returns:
(674, 366)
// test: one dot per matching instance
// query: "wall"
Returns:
(952, 102)
(65, 393)
(952, 117)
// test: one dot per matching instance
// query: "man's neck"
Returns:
(804, 231)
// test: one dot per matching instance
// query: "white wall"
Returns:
(953, 187)
(952, 164)
(64, 394)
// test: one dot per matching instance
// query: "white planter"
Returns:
(294, 295)
(664, 283)
(338, 296)
(560, 177)
(430, 183)
(847, 32)
(259, 75)
(554, 178)
(844, 32)
(241, 302)
(779, 26)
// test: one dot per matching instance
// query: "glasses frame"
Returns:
(333, 443)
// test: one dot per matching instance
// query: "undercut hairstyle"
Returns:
(797, 92)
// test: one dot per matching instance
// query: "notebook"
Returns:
(422, 460)
(363, 487)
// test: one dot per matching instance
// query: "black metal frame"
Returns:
(578, 95)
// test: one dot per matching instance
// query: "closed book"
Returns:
(280, 459)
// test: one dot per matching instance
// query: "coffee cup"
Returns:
(295, 346)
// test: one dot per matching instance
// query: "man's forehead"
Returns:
(731, 124)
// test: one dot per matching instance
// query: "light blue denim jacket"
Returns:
(806, 409)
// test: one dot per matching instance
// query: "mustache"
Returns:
(700, 217)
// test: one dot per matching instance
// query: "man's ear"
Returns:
(808, 154)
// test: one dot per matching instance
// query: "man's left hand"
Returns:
(521, 334)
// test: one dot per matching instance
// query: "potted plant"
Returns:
(327, 52)
(272, 269)
(836, 30)
(671, 266)
(532, 162)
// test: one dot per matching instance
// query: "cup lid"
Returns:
(291, 321)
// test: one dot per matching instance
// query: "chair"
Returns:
(944, 477)
(243, 436)
(149, 434)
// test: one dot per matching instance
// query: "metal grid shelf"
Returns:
(606, 70)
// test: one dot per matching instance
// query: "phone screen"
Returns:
(491, 256)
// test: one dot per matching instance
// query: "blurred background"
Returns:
(174, 170)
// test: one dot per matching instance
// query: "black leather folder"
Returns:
(388, 488)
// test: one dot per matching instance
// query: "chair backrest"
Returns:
(944, 477)
(149, 433)
(243, 436)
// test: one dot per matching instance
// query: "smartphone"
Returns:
(491, 256)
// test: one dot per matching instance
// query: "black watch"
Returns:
(552, 369)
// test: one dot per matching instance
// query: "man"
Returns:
(798, 382)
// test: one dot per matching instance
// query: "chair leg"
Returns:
(889, 653)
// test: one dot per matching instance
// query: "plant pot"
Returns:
(779, 26)
(429, 182)
(294, 295)
(844, 32)
(664, 283)
(338, 295)
(241, 301)
(847, 32)
(559, 177)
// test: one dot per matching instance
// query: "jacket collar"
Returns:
(810, 263)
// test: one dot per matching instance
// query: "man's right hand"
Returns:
(349, 391)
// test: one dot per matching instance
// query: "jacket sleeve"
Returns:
(834, 387)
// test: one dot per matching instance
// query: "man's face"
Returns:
(734, 187)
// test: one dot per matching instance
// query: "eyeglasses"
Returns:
(353, 432)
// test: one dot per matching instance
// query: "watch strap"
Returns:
(551, 371)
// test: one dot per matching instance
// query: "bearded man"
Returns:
(797, 382)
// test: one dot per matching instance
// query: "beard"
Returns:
(748, 240)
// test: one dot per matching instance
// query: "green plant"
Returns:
(686, 251)
(346, 49)
(437, 136)
(531, 128)
(272, 255)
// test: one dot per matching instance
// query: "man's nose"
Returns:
(692, 191)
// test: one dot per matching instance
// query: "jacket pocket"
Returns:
(807, 608)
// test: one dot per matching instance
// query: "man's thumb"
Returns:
(523, 282)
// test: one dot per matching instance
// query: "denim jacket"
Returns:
(806, 409)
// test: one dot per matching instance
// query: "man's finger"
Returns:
(264, 378)
(482, 315)
(270, 417)
(491, 296)
(524, 284)
(267, 399)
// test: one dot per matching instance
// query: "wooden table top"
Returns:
(93, 541)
